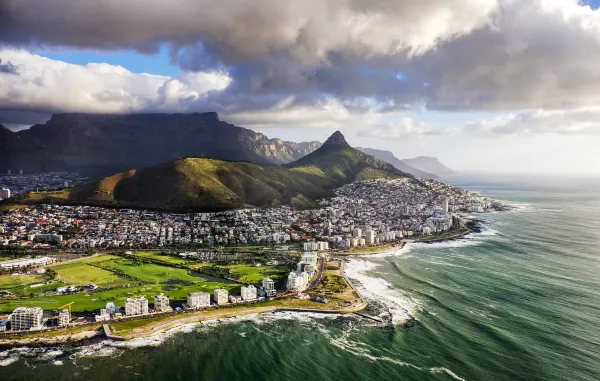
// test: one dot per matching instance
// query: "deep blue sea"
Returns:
(519, 301)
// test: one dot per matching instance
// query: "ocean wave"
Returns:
(400, 307)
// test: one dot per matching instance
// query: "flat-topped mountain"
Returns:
(202, 184)
(389, 157)
(429, 164)
(93, 142)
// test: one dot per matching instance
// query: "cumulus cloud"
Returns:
(314, 62)
(55, 86)
(307, 31)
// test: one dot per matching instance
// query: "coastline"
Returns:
(152, 328)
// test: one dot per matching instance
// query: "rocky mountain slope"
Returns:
(202, 184)
(102, 143)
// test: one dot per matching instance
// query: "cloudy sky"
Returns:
(496, 85)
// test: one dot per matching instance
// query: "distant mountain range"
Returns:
(100, 144)
(429, 164)
(400, 164)
(103, 143)
(203, 184)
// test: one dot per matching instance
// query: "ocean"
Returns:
(518, 301)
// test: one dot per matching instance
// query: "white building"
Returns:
(112, 308)
(248, 293)
(357, 233)
(45, 237)
(370, 237)
(161, 303)
(64, 318)
(322, 246)
(297, 281)
(21, 263)
(309, 257)
(268, 286)
(310, 246)
(136, 306)
(198, 299)
(5, 193)
(24, 318)
(221, 296)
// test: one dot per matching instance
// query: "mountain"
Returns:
(336, 163)
(101, 143)
(429, 164)
(202, 184)
(389, 157)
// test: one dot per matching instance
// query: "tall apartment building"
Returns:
(370, 237)
(64, 318)
(297, 281)
(309, 257)
(198, 299)
(357, 233)
(24, 318)
(5, 193)
(268, 286)
(161, 303)
(310, 246)
(221, 296)
(248, 293)
(136, 306)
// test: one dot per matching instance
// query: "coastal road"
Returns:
(317, 279)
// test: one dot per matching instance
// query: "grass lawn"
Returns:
(120, 327)
(80, 273)
(250, 274)
(8, 281)
(36, 291)
(150, 272)
(173, 259)
(92, 302)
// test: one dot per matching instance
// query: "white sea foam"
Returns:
(399, 306)
(57, 362)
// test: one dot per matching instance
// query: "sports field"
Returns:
(82, 273)
(118, 278)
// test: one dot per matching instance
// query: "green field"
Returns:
(9, 281)
(92, 302)
(119, 278)
(149, 272)
(250, 274)
(29, 290)
(172, 259)
(80, 273)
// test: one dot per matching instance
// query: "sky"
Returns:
(484, 85)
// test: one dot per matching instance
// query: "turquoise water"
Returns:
(521, 301)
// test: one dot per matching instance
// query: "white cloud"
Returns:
(584, 121)
(405, 127)
(56, 86)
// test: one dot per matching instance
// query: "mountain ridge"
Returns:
(108, 142)
(204, 184)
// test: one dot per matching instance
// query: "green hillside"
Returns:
(335, 163)
(210, 185)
